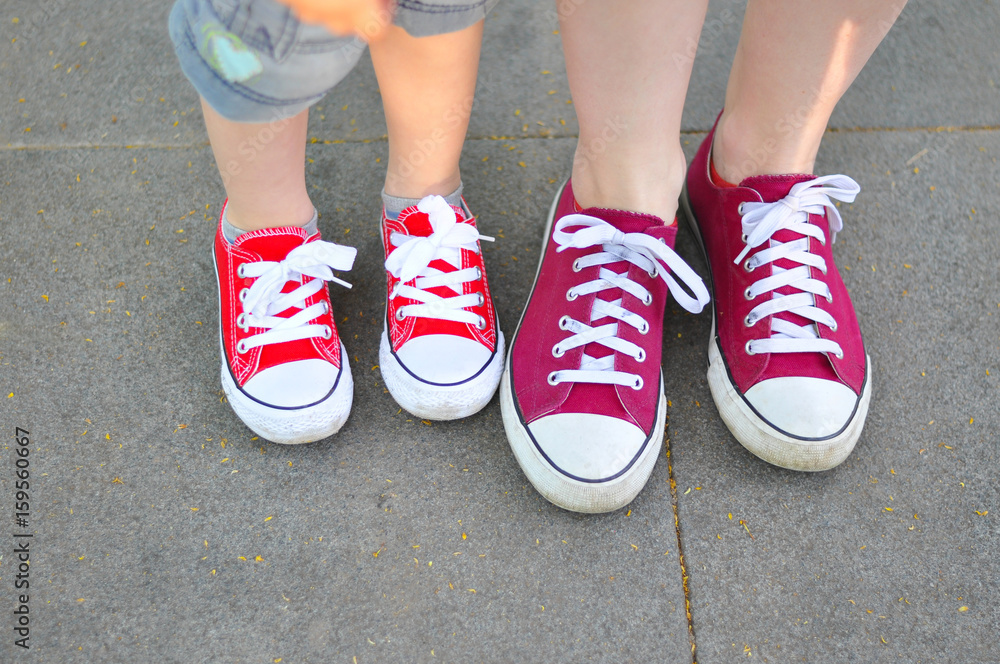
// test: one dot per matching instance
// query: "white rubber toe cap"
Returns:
(443, 359)
(293, 384)
(587, 446)
(804, 407)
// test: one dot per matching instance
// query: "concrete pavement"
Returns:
(164, 532)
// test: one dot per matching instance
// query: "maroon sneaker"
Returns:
(787, 365)
(582, 393)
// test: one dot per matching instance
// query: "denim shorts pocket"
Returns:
(264, 25)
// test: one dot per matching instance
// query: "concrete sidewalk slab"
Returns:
(888, 557)
(87, 81)
(165, 531)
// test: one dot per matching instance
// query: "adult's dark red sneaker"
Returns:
(582, 394)
(787, 364)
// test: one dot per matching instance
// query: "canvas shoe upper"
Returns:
(442, 350)
(787, 364)
(283, 365)
(582, 395)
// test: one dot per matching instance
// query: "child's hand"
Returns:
(368, 19)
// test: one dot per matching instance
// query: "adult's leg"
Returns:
(428, 86)
(794, 62)
(629, 65)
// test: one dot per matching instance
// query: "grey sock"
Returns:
(230, 232)
(394, 204)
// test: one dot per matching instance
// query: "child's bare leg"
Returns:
(629, 65)
(428, 85)
(794, 62)
(263, 170)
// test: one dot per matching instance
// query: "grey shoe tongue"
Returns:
(774, 187)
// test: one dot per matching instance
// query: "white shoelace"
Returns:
(263, 301)
(760, 222)
(638, 249)
(412, 258)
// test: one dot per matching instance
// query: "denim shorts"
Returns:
(253, 61)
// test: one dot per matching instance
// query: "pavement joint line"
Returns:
(680, 546)
(944, 129)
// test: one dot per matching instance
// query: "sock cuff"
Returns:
(396, 204)
(231, 232)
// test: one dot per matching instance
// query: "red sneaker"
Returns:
(787, 365)
(582, 395)
(284, 368)
(442, 350)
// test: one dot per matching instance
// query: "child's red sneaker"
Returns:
(284, 368)
(442, 350)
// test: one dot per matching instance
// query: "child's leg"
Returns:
(794, 62)
(263, 170)
(629, 65)
(427, 86)
(441, 354)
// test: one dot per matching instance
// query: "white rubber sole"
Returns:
(294, 426)
(566, 492)
(440, 402)
(773, 445)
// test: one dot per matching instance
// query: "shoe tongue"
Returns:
(418, 224)
(773, 188)
(272, 244)
(626, 222)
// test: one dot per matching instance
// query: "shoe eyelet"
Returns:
(576, 265)
(651, 275)
(243, 294)
(557, 352)
(570, 295)
(747, 267)
(399, 314)
(748, 322)
(479, 274)
(241, 322)
(482, 323)
(829, 298)
(746, 294)
(482, 300)
(645, 328)
(642, 356)
(744, 238)
(326, 307)
(833, 328)
(552, 378)
(327, 332)
(648, 300)
(749, 351)
(637, 385)
(564, 323)
(839, 355)
(739, 209)
(239, 271)
(241, 347)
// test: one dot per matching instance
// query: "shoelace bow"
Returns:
(263, 301)
(760, 222)
(638, 249)
(411, 259)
